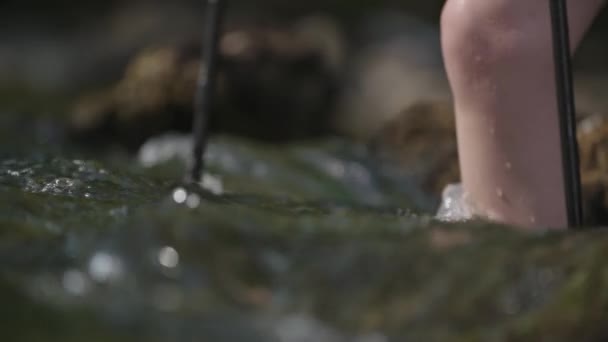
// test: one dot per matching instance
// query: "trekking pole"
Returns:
(567, 112)
(206, 86)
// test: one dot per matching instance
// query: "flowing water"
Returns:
(312, 242)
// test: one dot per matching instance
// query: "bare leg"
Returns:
(498, 57)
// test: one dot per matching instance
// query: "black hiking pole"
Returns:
(203, 98)
(567, 112)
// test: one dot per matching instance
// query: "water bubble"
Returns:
(168, 257)
(105, 267)
(180, 195)
(212, 184)
(165, 148)
(60, 186)
(75, 282)
(193, 201)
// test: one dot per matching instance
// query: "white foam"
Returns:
(455, 205)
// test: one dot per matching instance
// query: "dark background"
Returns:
(53, 51)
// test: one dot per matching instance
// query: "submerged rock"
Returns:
(299, 243)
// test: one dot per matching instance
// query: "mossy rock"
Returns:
(92, 253)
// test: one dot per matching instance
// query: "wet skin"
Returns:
(498, 55)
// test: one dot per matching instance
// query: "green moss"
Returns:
(298, 242)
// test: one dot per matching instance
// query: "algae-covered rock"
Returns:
(92, 253)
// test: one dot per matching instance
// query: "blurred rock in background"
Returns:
(368, 70)
(275, 84)
(421, 141)
(387, 56)
(396, 63)
(279, 83)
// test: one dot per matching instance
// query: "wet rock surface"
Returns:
(313, 242)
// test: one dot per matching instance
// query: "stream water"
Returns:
(311, 242)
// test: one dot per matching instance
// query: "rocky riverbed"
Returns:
(333, 137)
(308, 242)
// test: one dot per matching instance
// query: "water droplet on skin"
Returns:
(508, 166)
(500, 193)
(532, 219)
(105, 268)
(492, 131)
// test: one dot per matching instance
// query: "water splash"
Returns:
(455, 205)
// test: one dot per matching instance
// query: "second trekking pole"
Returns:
(567, 111)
